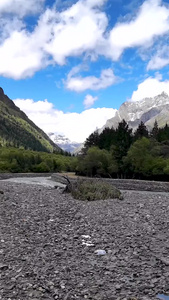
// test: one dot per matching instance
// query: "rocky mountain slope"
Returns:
(146, 110)
(17, 130)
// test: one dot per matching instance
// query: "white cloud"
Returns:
(76, 126)
(150, 87)
(157, 63)
(8, 26)
(20, 56)
(34, 107)
(21, 7)
(89, 101)
(151, 21)
(80, 30)
(160, 59)
(95, 3)
(77, 30)
(80, 84)
(58, 35)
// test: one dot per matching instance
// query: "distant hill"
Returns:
(17, 130)
(147, 110)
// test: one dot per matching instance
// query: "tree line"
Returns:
(122, 153)
(116, 153)
(22, 161)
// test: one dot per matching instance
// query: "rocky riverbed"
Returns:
(49, 243)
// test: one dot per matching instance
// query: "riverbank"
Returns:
(122, 184)
(48, 242)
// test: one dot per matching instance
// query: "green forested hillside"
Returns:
(17, 130)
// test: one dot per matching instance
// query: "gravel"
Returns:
(55, 247)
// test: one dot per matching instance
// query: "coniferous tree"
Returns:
(163, 134)
(92, 140)
(141, 131)
(123, 142)
(107, 138)
(155, 130)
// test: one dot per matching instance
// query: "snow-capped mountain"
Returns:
(146, 110)
(63, 142)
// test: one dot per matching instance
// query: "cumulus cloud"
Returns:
(34, 107)
(151, 21)
(7, 27)
(22, 53)
(58, 35)
(20, 56)
(72, 125)
(79, 30)
(89, 101)
(20, 7)
(80, 84)
(150, 87)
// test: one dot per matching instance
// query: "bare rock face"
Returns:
(146, 110)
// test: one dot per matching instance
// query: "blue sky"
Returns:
(70, 64)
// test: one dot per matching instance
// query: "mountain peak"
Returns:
(1, 91)
(146, 110)
(164, 94)
(63, 142)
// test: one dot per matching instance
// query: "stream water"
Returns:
(44, 181)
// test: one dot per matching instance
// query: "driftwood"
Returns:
(68, 187)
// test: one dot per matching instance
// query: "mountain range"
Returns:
(17, 130)
(63, 142)
(147, 110)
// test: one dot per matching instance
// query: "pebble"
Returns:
(100, 252)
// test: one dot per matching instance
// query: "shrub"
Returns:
(93, 190)
(41, 168)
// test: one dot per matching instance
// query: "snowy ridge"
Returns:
(63, 142)
(146, 110)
